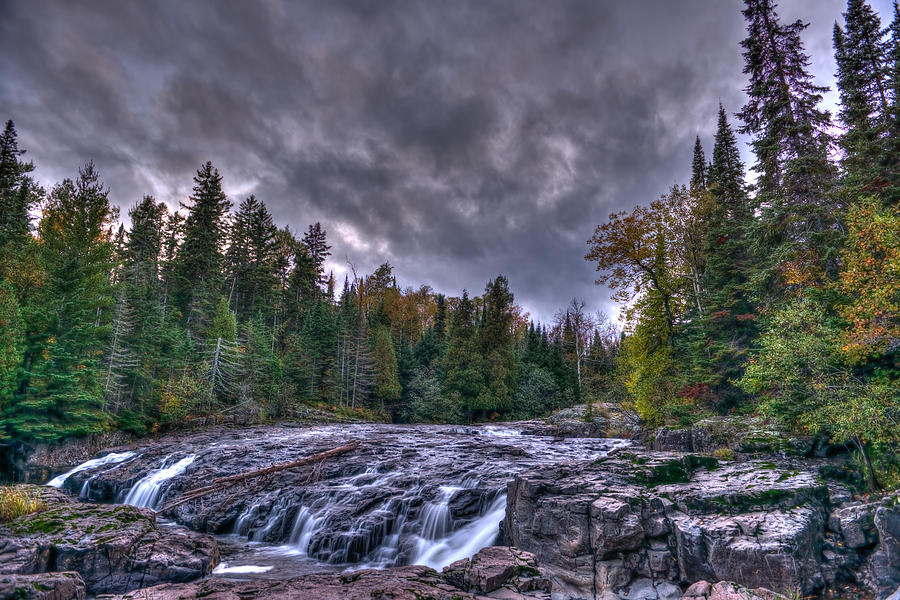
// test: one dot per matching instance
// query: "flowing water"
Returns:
(409, 495)
(149, 491)
(111, 458)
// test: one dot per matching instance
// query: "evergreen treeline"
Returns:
(212, 310)
(782, 297)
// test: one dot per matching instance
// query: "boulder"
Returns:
(672, 440)
(774, 549)
(43, 586)
(726, 590)
(614, 527)
(493, 567)
(856, 524)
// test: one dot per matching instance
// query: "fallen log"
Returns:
(221, 483)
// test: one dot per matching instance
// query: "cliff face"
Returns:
(645, 524)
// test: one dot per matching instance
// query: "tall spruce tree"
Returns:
(312, 362)
(251, 259)
(496, 344)
(319, 251)
(463, 364)
(222, 370)
(698, 167)
(718, 339)
(62, 391)
(153, 339)
(16, 193)
(198, 271)
(797, 233)
(387, 385)
(12, 345)
(891, 155)
(862, 80)
(440, 317)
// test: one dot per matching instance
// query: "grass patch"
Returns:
(17, 502)
(724, 453)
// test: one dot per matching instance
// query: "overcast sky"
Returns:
(454, 139)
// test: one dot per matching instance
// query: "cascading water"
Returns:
(147, 492)
(421, 494)
(111, 458)
(436, 515)
(465, 541)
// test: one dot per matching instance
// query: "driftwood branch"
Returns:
(221, 483)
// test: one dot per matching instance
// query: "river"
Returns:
(411, 494)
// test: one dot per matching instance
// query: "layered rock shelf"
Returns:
(645, 524)
(493, 573)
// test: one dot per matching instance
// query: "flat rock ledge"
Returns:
(72, 549)
(647, 525)
(498, 573)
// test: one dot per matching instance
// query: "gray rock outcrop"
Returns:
(113, 548)
(635, 521)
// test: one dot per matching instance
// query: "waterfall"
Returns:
(111, 458)
(436, 515)
(465, 541)
(146, 493)
(304, 527)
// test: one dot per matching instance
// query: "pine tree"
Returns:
(260, 369)
(797, 233)
(172, 235)
(319, 251)
(119, 361)
(698, 167)
(496, 345)
(891, 154)
(431, 349)
(139, 328)
(862, 79)
(440, 318)
(17, 191)
(355, 364)
(302, 291)
(463, 365)
(12, 345)
(199, 261)
(387, 384)
(717, 340)
(62, 391)
(251, 259)
(312, 361)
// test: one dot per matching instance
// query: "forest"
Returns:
(783, 297)
(212, 311)
(779, 297)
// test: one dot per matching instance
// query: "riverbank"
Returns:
(605, 519)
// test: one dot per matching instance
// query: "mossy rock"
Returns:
(673, 470)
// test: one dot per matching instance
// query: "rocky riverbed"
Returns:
(601, 519)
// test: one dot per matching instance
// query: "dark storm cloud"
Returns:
(456, 140)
